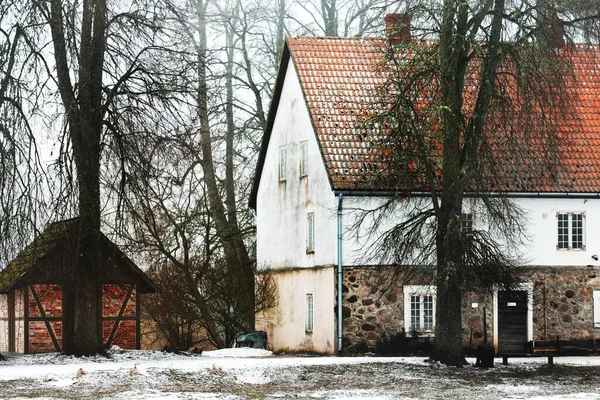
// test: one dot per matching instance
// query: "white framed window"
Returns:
(309, 323)
(596, 295)
(570, 230)
(466, 224)
(310, 232)
(419, 309)
(282, 163)
(303, 158)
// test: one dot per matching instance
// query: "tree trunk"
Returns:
(236, 254)
(84, 114)
(448, 336)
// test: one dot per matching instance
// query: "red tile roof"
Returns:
(341, 76)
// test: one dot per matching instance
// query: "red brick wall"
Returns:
(50, 296)
(3, 323)
(113, 297)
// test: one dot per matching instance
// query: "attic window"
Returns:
(310, 233)
(282, 163)
(303, 158)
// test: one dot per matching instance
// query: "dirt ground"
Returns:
(304, 378)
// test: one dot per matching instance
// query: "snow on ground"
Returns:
(257, 374)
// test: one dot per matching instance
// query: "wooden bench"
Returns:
(556, 348)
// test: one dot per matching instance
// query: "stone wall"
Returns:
(373, 305)
(567, 308)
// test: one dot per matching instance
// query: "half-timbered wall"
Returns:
(120, 312)
(4, 324)
(44, 318)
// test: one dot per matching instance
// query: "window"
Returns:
(570, 230)
(596, 295)
(419, 309)
(303, 158)
(310, 232)
(282, 163)
(310, 312)
(466, 224)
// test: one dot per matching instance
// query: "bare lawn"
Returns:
(256, 374)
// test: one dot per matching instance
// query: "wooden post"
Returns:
(138, 328)
(10, 300)
(26, 319)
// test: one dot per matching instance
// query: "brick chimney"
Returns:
(551, 29)
(555, 34)
(397, 28)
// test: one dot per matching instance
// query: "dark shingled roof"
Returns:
(18, 270)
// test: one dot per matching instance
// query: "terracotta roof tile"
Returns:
(340, 79)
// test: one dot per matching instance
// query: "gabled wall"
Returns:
(282, 227)
(281, 206)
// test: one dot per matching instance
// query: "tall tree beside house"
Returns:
(476, 97)
(92, 69)
(22, 175)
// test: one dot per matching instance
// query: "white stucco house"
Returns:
(313, 174)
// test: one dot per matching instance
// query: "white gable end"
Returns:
(283, 204)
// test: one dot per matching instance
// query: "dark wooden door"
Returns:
(512, 322)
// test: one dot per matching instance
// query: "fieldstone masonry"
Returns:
(371, 307)
(563, 302)
(563, 306)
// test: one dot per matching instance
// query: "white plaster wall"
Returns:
(360, 245)
(540, 224)
(281, 207)
(285, 324)
(543, 228)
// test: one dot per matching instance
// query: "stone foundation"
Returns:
(373, 305)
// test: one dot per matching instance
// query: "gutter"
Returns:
(340, 317)
(388, 193)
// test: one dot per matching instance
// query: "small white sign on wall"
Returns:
(511, 304)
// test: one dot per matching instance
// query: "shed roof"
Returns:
(20, 270)
(340, 76)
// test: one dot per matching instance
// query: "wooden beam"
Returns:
(10, 300)
(138, 328)
(26, 319)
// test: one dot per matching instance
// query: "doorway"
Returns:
(513, 332)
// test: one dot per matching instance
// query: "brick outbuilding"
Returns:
(34, 300)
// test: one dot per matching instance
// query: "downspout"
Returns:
(340, 317)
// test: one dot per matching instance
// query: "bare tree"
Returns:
(343, 18)
(461, 106)
(99, 59)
